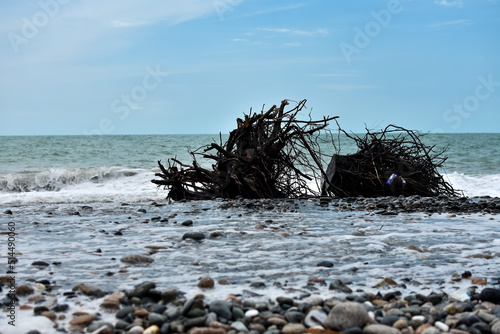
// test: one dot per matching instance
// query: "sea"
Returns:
(81, 203)
(112, 168)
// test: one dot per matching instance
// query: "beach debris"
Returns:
(275, 154)
(390, 162)
(271, 154)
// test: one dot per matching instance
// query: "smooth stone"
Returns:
(221, 308)
(156, 319)
(442, 326)
(207, 330)
(284, 300)
(326, 264)
(169, 295)
(40, 264)
(400, 324)
(293, 329)
(251, 313)
(188, 222)
(275, 320)
(347, 315)
(486, 317)
(354, 330)
(197, 236)
(238, 313)
(152, 330)
(380, 329)
(210, 318)
(294, 317)
(136, 330)
(206, 283)
(389, 320)
(122, 324)
(315, 318)
(82, 319)
(431, 330)
(124, 312)
(239, 326)
(24, 289)
(136, 259)
(495, 329)
(468, 319)
(195, 322)
(142, 289)
(339, 286)
(95, 325)
(490, 295)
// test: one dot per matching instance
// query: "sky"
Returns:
(75, 67)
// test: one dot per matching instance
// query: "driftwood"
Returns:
(391, 162)
(270, 154)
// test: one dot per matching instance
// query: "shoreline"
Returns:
(253, 250)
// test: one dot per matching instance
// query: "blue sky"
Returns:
(194, 66)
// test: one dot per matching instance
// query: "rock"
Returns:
(51, 315)
(207, 330)
(284, 300)
(152, 330)
(380, 329)
(142, 289)
(400, 324)
(315, 318)
(206, 283)
(339, 286)
(276, 320)
(82, 320)
(136, 259)
(490, 295)
(24, 290)
(495, 329)
(251, 313)
(431, 330)
(136, 330)
(40, 264)
(294, 317)
(346, 315)
(327, 264)
(156, 319)
(169, 295)
(389, 320)
(222, 309)
(105, 327)
(188, 222)
(239, 326)
(451, 309)
(293, 329)
(441, 326)
(197, 236)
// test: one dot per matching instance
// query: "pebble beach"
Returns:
(312, 265)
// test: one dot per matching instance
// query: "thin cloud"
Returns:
(294, 44)
(455, 23)
(317, 32)
(272, 10)
(450, 3)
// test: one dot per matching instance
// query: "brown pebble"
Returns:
(23, 290)
(379, 302)
(82, 319)
(216, 324)
(140, 312)
(415, 248)
(206, 283)
(458, 331)
(61, 317)
(278, 321)
(51, 315)
(422, 328)
(152, 330)
(207, 330)
(35, 298)
(293, 329)
(25, 307)
(400, 324)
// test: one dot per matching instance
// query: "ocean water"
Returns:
(71, 195)
(94, 168)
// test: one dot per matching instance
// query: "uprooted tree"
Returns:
(274, 154)
(393, 161)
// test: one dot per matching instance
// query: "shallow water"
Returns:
(283, 253)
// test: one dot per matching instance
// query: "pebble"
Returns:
(293, 329)
(380, 329)
(82, 319)
(206, 283)
(136, 259)
(347, 315)
(197, 236)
